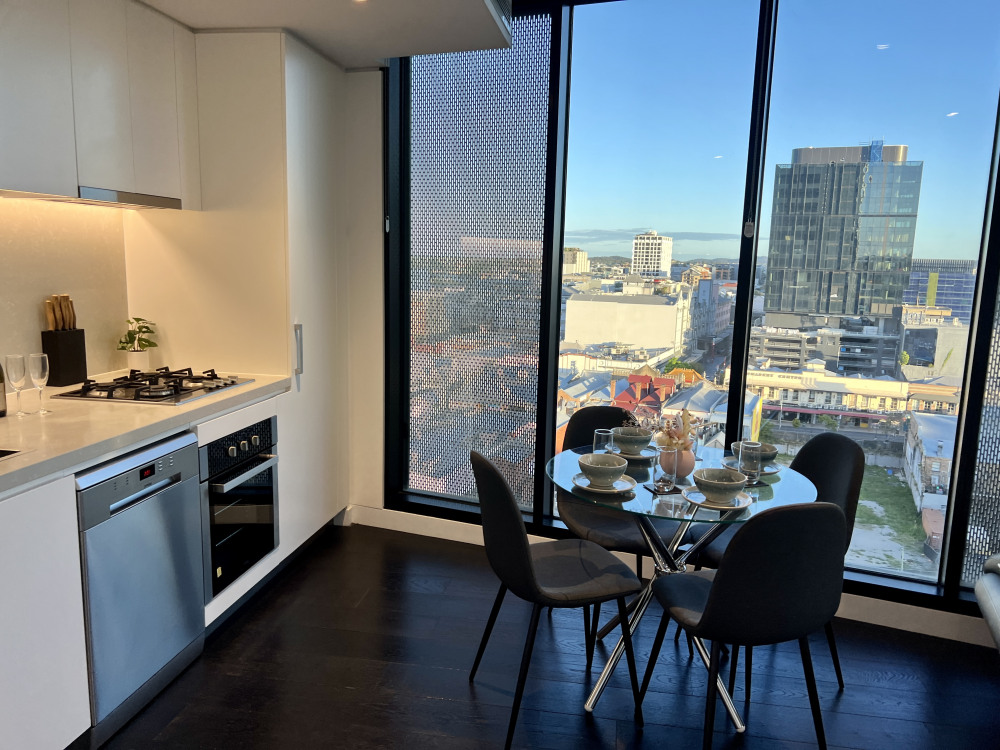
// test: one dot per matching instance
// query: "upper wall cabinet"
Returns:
(125, 94)
(37, 149)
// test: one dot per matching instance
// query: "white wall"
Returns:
(365, 288)
(51, 248)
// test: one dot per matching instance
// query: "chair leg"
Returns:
(489, 629)
(830, 639)
(710, 699)
(630, 656)
(747, 673)
(807, 668)
(590, 630)
(733, 663)
(613, 622)
(529, 644)
(677, 633)
(654, 652)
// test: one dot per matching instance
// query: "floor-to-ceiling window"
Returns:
(657, 157)
(858, 252)
(879, 144)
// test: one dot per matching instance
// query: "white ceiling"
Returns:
(351, 33)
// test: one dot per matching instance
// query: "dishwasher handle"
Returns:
(142, 494)
(224, 487)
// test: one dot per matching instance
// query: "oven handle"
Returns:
(272, 460)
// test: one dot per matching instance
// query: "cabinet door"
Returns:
(187, 117)
(153, 96)
(37, 150)
(101, 94)
(44, 696)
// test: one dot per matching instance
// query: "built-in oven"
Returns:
(239, 490)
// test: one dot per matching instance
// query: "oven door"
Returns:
(241, 518)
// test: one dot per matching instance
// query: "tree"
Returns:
(796, 422)
(767, 433)
(904, 358)
(828, 422)
(674, 363)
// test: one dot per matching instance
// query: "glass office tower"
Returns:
(842, 229)
(943, 282)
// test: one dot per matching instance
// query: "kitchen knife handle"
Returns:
(57, 312)
(72, 314)
(64, 304)
(50, 315)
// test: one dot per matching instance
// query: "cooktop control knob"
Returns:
(231, 451)
(244, 446)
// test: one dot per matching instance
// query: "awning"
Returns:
(831, 412)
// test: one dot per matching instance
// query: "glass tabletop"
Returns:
(784, 487)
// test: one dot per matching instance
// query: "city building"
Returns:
(943, 282)
(934, 343)
(575, 261)
(652, 254)
(654, 321)
(855, 349)
(842, 230)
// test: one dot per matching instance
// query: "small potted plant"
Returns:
(136, 341)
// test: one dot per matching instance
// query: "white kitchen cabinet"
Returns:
(101, 94)
(186, 64)
(37, 148)
(44, 697)
(125, 91)
(153, 99)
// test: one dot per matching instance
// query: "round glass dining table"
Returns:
(699, 525)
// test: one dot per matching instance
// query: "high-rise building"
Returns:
(842, 228)
(943, 282)
(651, 254)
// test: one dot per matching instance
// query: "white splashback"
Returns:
(52, 248)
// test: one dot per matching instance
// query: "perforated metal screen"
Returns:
(983, 537)
(478, 158)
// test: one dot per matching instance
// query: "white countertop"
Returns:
(78, 433)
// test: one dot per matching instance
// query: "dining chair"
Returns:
(835, 464)
(567, 573)
(612, 529)
(779, 580)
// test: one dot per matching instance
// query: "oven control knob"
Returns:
(255, 441)
(231, 451)
(244, 446)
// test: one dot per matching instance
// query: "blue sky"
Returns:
(658, 119)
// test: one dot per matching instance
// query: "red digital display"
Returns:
(146, 472)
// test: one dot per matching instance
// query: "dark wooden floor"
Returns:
(366, 641)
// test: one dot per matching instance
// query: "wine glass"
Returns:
(16, 375)
(750, 460)
(38, 370)
(604, 441)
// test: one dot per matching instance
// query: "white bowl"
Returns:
(602, 469)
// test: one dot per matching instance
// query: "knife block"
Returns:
(67, 352)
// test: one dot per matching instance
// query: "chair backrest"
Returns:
(836, 465)
(581, 426)
(504, 534)
(780, 578)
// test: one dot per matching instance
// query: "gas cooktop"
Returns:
(162, 386)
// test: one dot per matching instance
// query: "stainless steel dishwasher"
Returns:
(141, 542)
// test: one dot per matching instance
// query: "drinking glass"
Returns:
(38, 370)
(665, 469)
(750, 461)
(16, 375)
(604, 441)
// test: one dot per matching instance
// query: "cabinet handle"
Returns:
(297, 328)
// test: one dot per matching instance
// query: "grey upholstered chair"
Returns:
(780, 579)
(836, 465)
(612, 529)
(564, 573)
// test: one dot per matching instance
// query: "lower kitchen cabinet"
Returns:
(44, 699)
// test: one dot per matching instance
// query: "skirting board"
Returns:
(875, 611)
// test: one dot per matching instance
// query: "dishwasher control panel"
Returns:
(110, 488)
